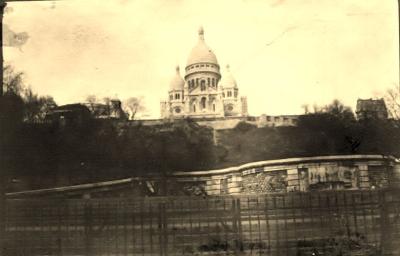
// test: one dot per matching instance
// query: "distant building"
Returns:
(371, 109)
(203, 92)
(112, 110)
(69, 114)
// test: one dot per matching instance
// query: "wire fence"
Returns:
(313, 223)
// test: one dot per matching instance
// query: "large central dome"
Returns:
(201, 53)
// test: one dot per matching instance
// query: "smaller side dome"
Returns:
(177, 82)
(227, 80)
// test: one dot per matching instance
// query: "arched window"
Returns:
(214, 107)
(194, 107)
(208, 81)
(197, 81)
(229, 93)
(203, 102)
(203, 85)
(213, 82)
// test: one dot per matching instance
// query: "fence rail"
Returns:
(357, 222)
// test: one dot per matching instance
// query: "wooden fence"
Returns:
(314, 223)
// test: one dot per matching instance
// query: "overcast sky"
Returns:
(283, 54)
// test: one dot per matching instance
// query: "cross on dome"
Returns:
(201, 33)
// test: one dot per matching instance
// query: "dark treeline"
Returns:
(48, 155)
(316, 134)
(39, 154)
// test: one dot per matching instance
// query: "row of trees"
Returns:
(20, 99)
(331, 129)
(46, 155)
(132, 106)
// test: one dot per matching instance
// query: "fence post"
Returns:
(3, 217)
(163, 226)
(384, 224)
(237, 225)
(88, 227)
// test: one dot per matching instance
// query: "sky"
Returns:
(283, 53)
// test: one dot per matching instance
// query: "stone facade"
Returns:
(343, 172)
(223, 123)
(203, 92)
(371, 109)
(301, 174)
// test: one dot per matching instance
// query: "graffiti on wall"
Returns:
(187, 188)
(264, 182)
(331, 177)
(378, 176)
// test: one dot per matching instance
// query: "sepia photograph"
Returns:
(188, 127)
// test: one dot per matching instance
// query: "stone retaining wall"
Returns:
(300, 174)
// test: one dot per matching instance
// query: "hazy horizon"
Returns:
(283, 54)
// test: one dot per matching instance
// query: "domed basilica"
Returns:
(203, 92)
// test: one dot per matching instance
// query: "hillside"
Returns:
(48, 155)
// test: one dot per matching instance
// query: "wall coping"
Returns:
(203, 173)
(284, 161)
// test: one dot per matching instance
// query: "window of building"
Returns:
(207, 65)
(208, 81)
(229, 93)
(223, 95)
(197, 66)
(177, 96)
(203, 85)
(197, 81)
(213, 82)
(194, 107)
(203, 103)
(171, 97)
(214, 107)
(236, 94)
(201, 65)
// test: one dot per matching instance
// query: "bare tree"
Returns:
(337, 108)
(13, 81)
(306, 108)
(133, 106)
(35, 107)
(392, 100)
(92, 101)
